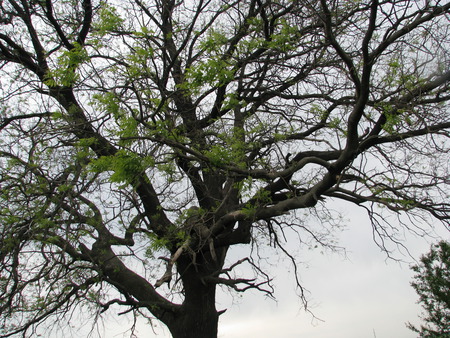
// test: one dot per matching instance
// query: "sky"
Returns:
(357, 295)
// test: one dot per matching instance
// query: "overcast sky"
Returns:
(361, 295)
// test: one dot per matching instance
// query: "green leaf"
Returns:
(67, 64)
(108, 19)
(125, 166)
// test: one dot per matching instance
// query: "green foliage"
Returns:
(231, 101)
(394, 117)
(156, 244)
(213, 72)
(432, 284)
(285, 39)
(109, 103)
(335, 123)
(246, 187)
(137, 61)
(393, 72)
(398, 76)
(392, 120)
(125, 166)
(230, 151)
(83, 148)
(214, 42)
(248, 46)
(127, 126)
(249, 210)
(177, 233)
(219, 155)
(170, 171)
(143, 32)
(263, 196)
(65, 72)
(165, 129)
(108, 19)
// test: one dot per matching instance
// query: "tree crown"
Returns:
(143, 139)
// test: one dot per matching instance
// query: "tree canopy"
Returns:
(142, 139)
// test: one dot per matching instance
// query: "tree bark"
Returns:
(198, 317)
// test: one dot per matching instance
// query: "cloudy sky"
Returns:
(359, 295)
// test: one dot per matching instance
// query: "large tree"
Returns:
(142, 139)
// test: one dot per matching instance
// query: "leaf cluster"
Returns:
(432, 284)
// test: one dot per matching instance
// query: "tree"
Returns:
(141, 140)
(432, 284)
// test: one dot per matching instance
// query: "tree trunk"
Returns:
(198, 317)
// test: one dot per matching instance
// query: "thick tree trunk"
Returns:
(198, 317)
